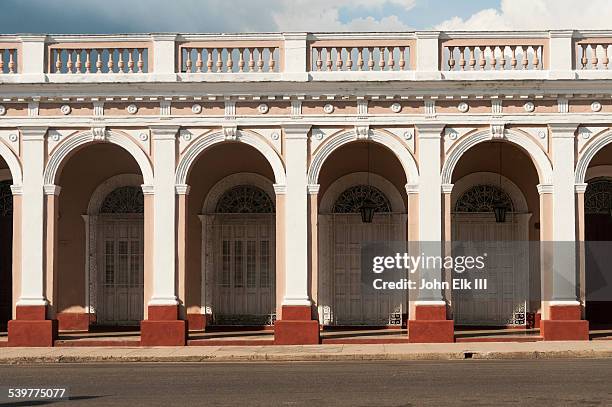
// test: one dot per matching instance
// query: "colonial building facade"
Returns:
(182, 182)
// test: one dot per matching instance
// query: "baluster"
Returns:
(381, 61)
(584, 59)
(111, 64)
(604, 61)
(371, 58)
(260, 61)
(513, 60)
(502, 60)
(11, 64)
(319, 61)
(69, 63)
(594, 59)
(188, 60)
(140, 63)
(525, 51)
(349, 60)
(78, 63)
(209, 59)
(472, 58)
(391, 62)
(120, 64)
(328, 59)
(199, 60)
(338, 59)
(360, 59)
(451, 58)
(241, 60)
(58, 61)
(98, 61)
(402, 61)
(482, 62)
(536, 58)
(462, 58)
(130, 61)
(251, 59)
(493, 57)
(219, 62)
(88, 61)
(230, 61)
(271, 60)
(1, 61)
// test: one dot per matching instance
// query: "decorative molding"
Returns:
(463, 107)
(165, 108)
(362, 108)
(132, 109)
(296, 109)
(497, 108)
(498, 130)
(328, 108)
(65, 109)
(230, 132)
(50, 189)
(545, 189)
(182, 189)
(412, 189)
(196, 108)
(313, 189)
(263, 108)
(580, 188)
(362, 131)
(396, 107)
(447, 188)
(591, 149)
(32, 109)
(430, 109)
(3, 109)
(230, 110)
(529, 107)
(280, 189)
(98, 108)
(563, 105)
(99, 133)
(596, 106)
(17, 189)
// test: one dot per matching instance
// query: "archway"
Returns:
(352, 174)
(6, 247)
(99, 251)
(231, 260)
(492, 176)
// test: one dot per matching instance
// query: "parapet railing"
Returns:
(421, 55)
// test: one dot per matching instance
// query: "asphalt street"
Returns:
(584, 382)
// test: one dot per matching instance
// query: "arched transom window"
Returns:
(598, 196)
(483, 198)
(352, 199)
(127, 199)
(245, 199)
(6, 199)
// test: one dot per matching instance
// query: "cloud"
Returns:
(537, 15)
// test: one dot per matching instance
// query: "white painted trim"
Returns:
(194, 150)
(463, 184)
(361, 178)
(538, 157)
(74, 142)
(240, 178)
(400, 150)
(13, 163)
(591, 149)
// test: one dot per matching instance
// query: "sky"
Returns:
(127, 16)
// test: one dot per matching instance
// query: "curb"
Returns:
(306, 357)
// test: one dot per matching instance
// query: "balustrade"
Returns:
(371, 56)
(8, 60)
(98, 59)
(221, 58)
(592, 54)
(482, 57)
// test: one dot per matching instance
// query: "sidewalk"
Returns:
(451, 351)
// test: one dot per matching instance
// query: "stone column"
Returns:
(430, 323)
(563, 319)
(31, 326)
(163, 326)
(296, 325)
(580, 219)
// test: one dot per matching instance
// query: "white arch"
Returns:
(463, 184)
(198, 146)
(108, 186)
(590, 151)
(401, 152)
(240, 178)
(13, 163)
(361, 178)
(538, 157)
(78, 140)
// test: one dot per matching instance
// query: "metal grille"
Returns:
(598, 197)
(245, 199)
(6, 199)
(483, 198)
(352, 199)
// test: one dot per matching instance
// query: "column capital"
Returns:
(412, 189)
(33, 133)
(313, 189)
(17, 189)
(545, 189)
(430, 130)
(148, 189)
(296, 130)
(581, 188)
(164, 131)
(280, 189)
(182, 189)
(447, 188)
(563, 130)
(51, 189)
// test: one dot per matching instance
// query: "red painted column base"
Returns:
(296, 327)
(30, 328)
(564, 324)
(73, 321)
(163, 328)
(430, 325)
(196, 322)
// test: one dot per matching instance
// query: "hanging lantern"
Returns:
(367, 211)
(500, 213)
